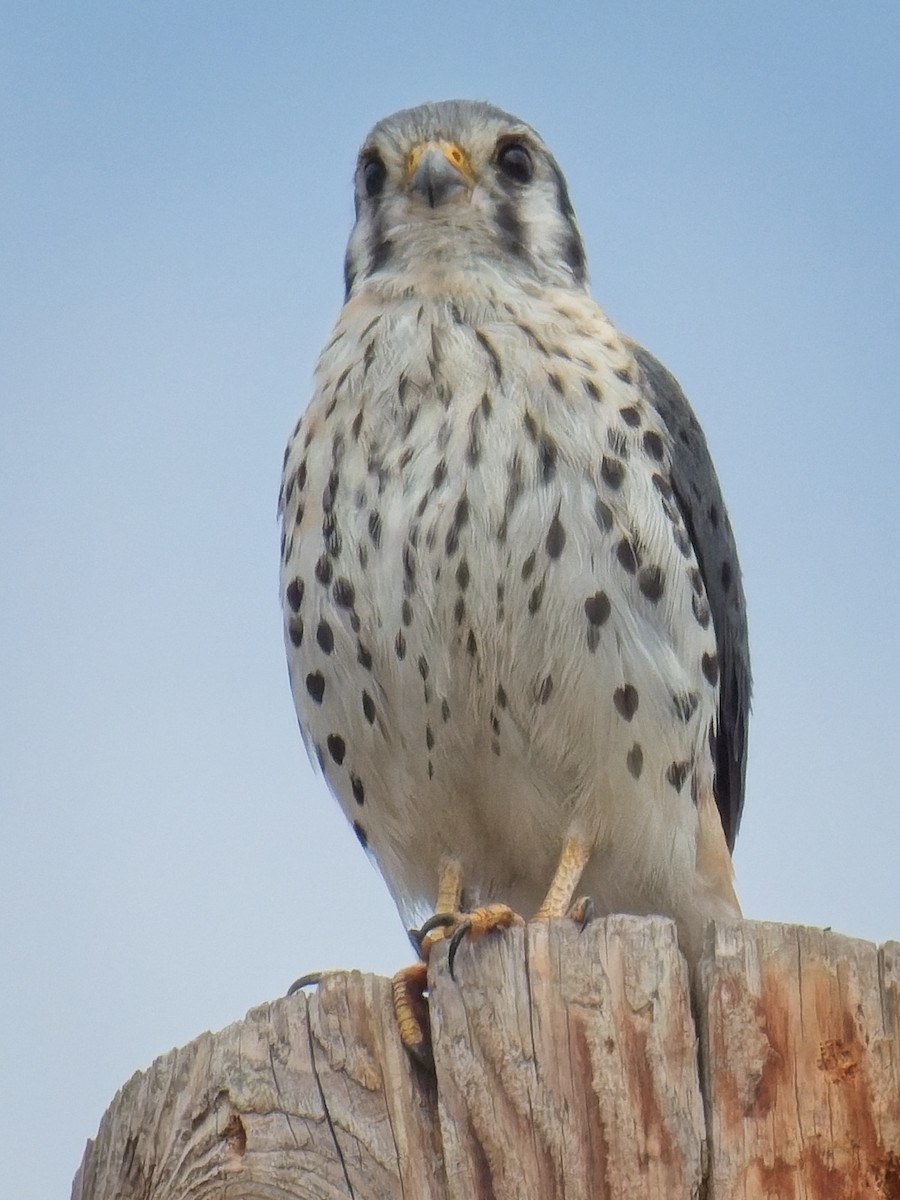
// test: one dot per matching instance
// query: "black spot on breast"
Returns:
(545, 689)
(325, 637)
(493, 357)
(677, 773)
(329, 494)
(409, 562)
(685, 705)
(556, 538)
(336, 747)
(294, 593)
(359, 792)
(528, 565)
(597, 608)
(627, 556)
(681, 540)
(603, 515)
(592, 389)
(473, 449)
(462, 574)
(630, 416)
(651, 582)
(360, 835)
(368, 707)
(612, 471)
(547, 455)
(375, 527)
(634, 760)
(662, 485)
(343, 593)
(315, 685)
(295, 630)
(626, 700)
(324, 570)
(653, 444)
(400, 645)
(710, 666)
(363, 656)
(536, 598)
(330, 536)
(471, 644)
(460, 519)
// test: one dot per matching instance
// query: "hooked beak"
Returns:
(438, 171)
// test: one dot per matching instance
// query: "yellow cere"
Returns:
(453, 154)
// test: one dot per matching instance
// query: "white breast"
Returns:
(496, 629)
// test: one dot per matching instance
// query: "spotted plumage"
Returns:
(513, 611)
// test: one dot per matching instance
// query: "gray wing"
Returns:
(700, 500)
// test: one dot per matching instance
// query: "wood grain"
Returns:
(566, 1067)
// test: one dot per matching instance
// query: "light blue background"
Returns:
(174, 203)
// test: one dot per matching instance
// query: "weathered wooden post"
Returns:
(567, 1065)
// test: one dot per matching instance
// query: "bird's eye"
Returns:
(374, 175)
(515, 162)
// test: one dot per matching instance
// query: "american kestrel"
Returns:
(514, 619)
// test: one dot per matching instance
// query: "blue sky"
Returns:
(175, 201)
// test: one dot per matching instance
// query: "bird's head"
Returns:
(448, 189)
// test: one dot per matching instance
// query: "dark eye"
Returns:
(515, 162)
(374, 175)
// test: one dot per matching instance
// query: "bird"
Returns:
(514, 617)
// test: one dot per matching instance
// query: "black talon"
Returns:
(438, 921)
(314, 977)
(458, 935)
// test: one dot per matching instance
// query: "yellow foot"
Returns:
(408, 991)
(472, 924)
